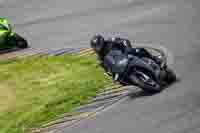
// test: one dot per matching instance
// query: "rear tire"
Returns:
(170, 76)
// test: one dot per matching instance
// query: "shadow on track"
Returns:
(141, 93)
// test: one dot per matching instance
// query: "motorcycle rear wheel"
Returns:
(170, 76)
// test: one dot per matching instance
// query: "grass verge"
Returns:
(36, 90)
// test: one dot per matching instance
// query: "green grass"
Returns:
(40, 89)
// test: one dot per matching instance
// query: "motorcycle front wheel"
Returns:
(145, 82)
(18, 41)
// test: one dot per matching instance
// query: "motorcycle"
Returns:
(10, 39)
(149, 76)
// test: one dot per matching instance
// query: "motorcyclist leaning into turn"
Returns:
(112, 51)
(5, 32)
(8, 38)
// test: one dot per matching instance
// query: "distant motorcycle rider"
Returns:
(8, 38)
(113, 51)
(5, 31)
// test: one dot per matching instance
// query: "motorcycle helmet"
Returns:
(97, 43)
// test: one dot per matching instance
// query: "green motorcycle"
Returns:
(8, 38)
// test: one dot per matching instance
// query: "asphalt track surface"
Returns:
(51, 24)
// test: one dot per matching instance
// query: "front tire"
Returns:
(144, 86)
(18, 41)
